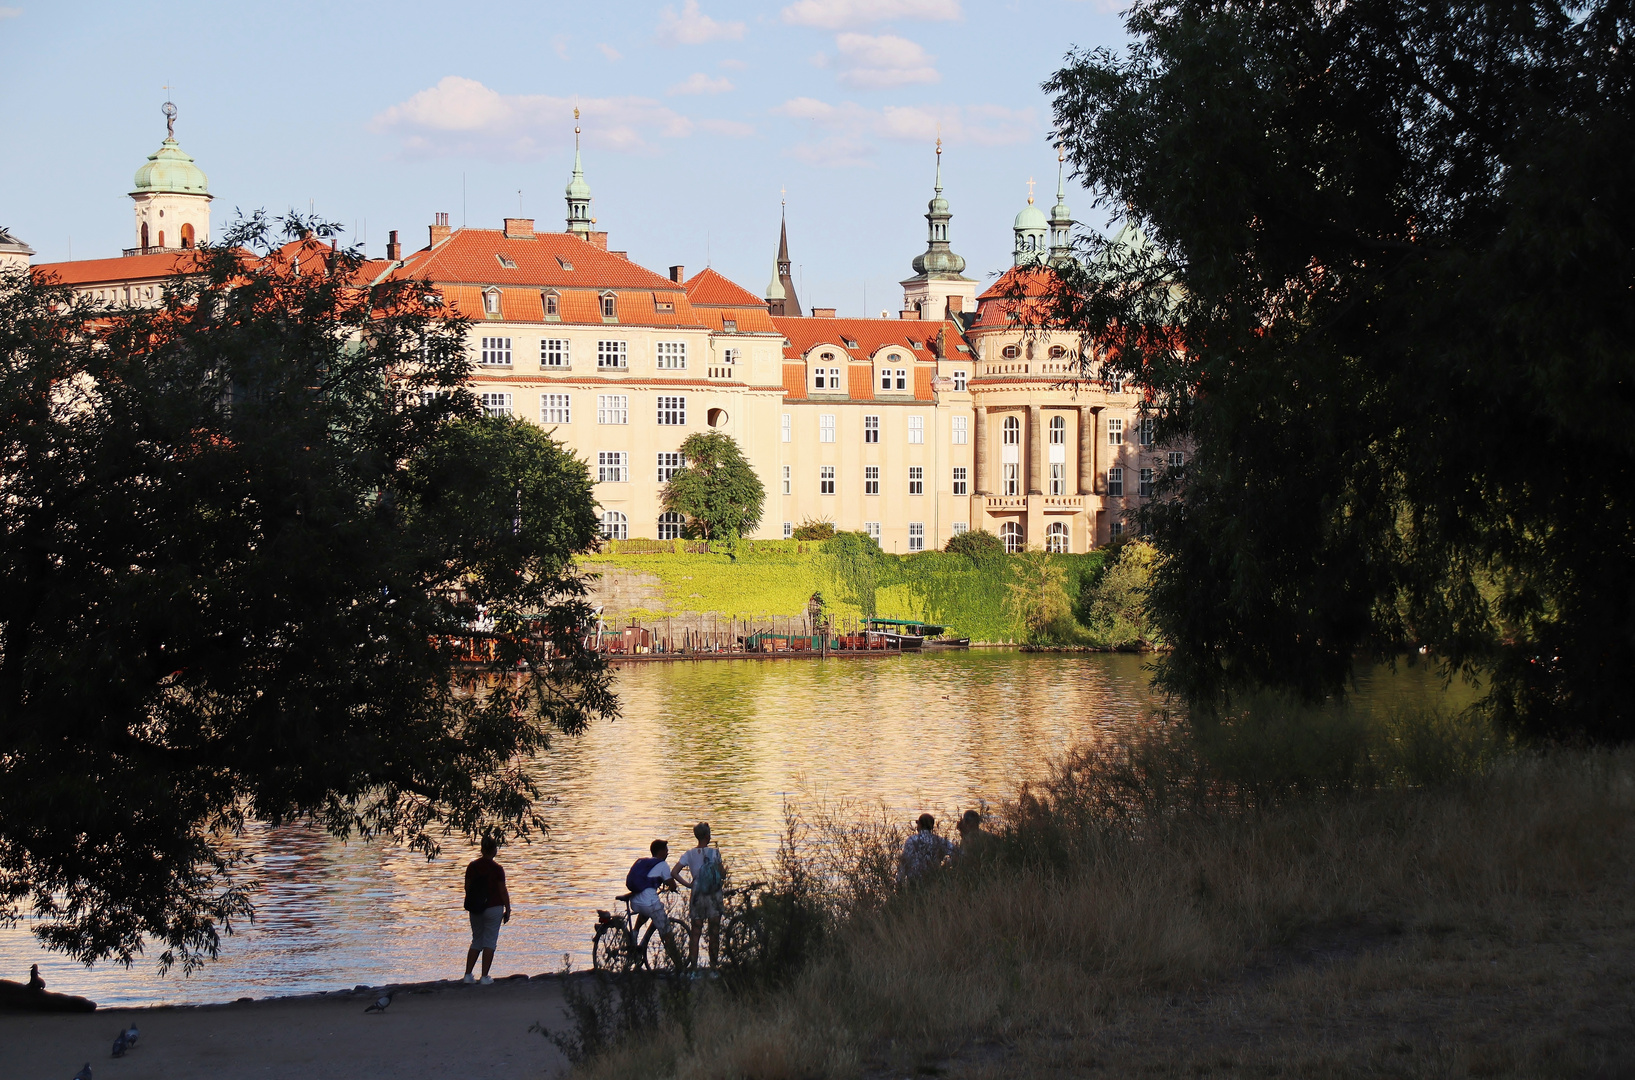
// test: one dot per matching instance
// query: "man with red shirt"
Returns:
(489, 903)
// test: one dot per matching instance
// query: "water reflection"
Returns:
(725, 741)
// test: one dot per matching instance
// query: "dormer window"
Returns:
(850, 344)
(610, 306)
(505, 261)
(729, 326)
(553, 305)
(565, 264)
(663, 307)
(491, 302)
(914, 343)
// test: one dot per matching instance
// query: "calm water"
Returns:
(724, 741)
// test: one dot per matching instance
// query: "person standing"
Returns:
(923, 852)
(972, 839)
(489, 902)
(706, 875)
(644, 880)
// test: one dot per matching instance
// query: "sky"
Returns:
(698, 116)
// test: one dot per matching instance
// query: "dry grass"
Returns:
(1149, 912)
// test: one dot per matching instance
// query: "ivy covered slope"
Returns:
(855, 579)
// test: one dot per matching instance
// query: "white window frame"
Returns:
(916, 430)
(826, 479)
(1177, 459)
(1144, 429)
(788, 479)
(1115, 529)
(871, 429)
(1143, 483)
(1010, 431)
(615, 526)
(916, 536)
(495, 403)
(885, 378)
(789, 530)
(609, 305)
(1115, 482)
(1013, 536)
(556, 408)
(612, 355)
(673, 523)
(961, 431)
(916, 480)
(1057, 538)
(670, 461)
(1012, 472)
(871, 479)
(672, 410)
(1115, 431)
(959, 379)
(613, 408)
(612, 467)
(960, 482)
(873, 529)
(555, 353)
(491, 301)
(1058, 478)
(1058, 431)
(671, 355)
(788, 428)
(959, 527)
(496, 352)
(826, 427)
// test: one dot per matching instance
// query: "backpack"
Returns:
(709, 878)
(638, 880)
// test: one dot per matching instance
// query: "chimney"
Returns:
(625, 255)
(908, 313)
(956, 304)
(439, 229)
(597, 239)
(678, 274)
(823, 313)
(394, 250)
(519, 228)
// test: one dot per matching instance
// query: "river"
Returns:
(724, 741)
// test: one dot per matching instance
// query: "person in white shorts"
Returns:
(706, 874)
(645, 879)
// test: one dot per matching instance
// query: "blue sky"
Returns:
(696, 114)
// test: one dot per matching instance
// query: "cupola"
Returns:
(172, 197)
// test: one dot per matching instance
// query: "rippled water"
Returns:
(723, 741)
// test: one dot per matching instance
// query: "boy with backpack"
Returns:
(644, 880)
(706, 875)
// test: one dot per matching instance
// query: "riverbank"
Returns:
(430, 1031)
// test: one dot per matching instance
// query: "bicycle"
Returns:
(743, 931)
(611, 946)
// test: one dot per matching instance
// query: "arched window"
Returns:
(491, 302)
(610, 306)
(553, 305)
(187, 236)
(615, 526)
(1058, 431)
(670, 526)
(161, 238)
(1056, 538)
(1010, 352)
(1012, 431)
(1011, 533)
(144, 234)
(1057, 352)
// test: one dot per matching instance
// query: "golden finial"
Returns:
(1061, 153)
(576, 119)
(1030, 191)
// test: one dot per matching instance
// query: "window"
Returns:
(612, 354)
(960, 431)
(672, 355)
(1177, 460)
(959, 380)
(1114, 381)
(1010, 352)
(961, 527)
(789, 530)
(826, 480)
(1115, 432)
(610, 306)
(826, 428)
(497, 404)
(612, 409)
(505, 261)
(553, 305)
(1013, 478)
(902, 379)
(788, 480)
(1116, 529)
(826, 378)
(491, 302)
(669, 463)
(670, 526)
(555, 409)
(1115, 482)
(615, 526)
(1058, 431)
(788, 428)
(871, 429)
(1011, 533)
(916, 536)
(873, 529)
(1012, 431)
(563, 263)
(1058, 478)
(1057, 352)
(729, 326)
(885, 378)
(553, 353)
(1144, 430)
(871, 479)
(916, 429)
(611, 467)
(664, 307)
(1144, 483)
(916, 480)
(959, 480)
(1056, 538)
(496, 350)
(672, 411)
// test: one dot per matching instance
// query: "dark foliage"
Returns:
(1387, 301)
(240, 530)
(977, 543)
(814, 529)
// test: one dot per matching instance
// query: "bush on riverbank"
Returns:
(1158, 908)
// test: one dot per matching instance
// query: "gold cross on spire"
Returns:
(1030, 191)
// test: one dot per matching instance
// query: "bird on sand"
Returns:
(34, 980)
(131, 1035)
(120, 1045)
(380, 1004)
(85, 1073)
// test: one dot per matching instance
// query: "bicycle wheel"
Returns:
(611, 950)
(659, 960)
(743, 938)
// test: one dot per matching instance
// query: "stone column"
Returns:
(1036, 453)
(979, 456)
(1089, 436)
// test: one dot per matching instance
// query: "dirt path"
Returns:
(431, 1030)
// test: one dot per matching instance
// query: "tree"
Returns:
(1036, 595)
(976, 543)
(1118, 611)
(1386, 301)
(716, 491)
(239, 535)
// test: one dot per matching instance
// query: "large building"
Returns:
(956, 415)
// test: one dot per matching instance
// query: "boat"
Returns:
(912, 634)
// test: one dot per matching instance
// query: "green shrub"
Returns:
(815, 529)
(977, 543)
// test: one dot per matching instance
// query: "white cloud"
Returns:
(840, 14)
(700, 83)
(879, 63)
(610, 52)
(693, 27)
(844, 131)
(462, 116)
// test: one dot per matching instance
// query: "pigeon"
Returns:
(120, 1045)
(85, 1073)
(131, 1035)
(380, 1004)
(34, 980)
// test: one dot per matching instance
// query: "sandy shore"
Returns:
(430, 1030)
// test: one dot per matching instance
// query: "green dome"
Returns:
(1031, 218)
(170, 169)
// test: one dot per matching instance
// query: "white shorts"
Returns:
(653, 908)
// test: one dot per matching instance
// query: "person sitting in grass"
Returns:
(706, 874)
(972, 839)
(923, 852)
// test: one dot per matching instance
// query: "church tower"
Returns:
(939, 289)
(172, 197)
(1031, 229)
(1061, 218)
(578, 192)
(780, 293)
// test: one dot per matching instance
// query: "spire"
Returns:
(785, 302)
(1031, 229)
(578, 192)
(1061, 218)
(938, 260)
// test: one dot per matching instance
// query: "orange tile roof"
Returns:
(794, 380)
(126, 268)
(996, 310)
(871, 335)
(860, 381)
(746, 320)
(709, 287)
(469, 256)
(576, 307)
